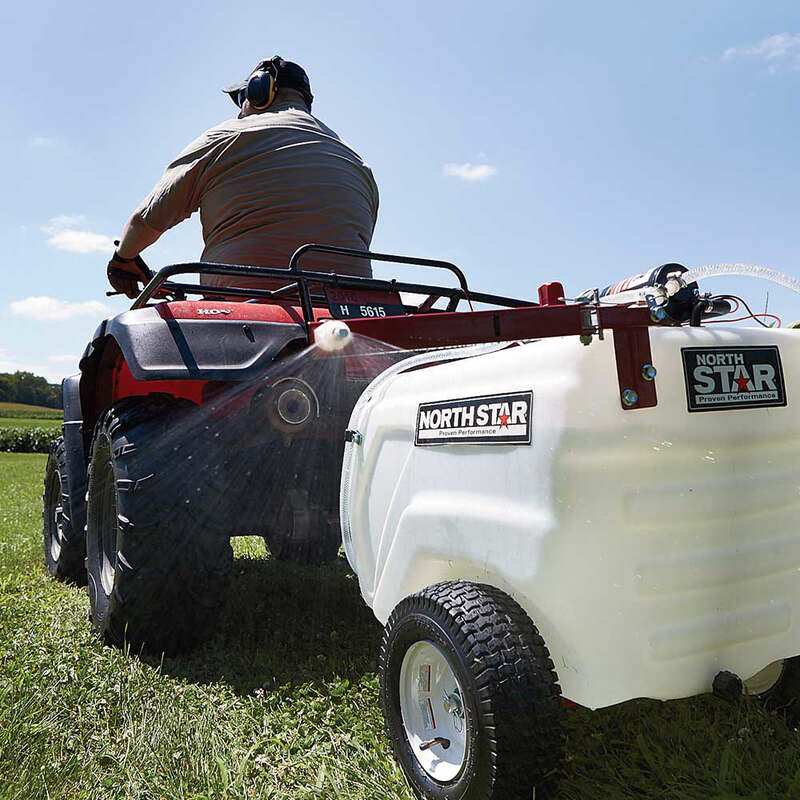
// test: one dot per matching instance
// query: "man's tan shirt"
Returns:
(265, 185)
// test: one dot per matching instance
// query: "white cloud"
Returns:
(780, 49)
(66, 359)
(62, 234)
(42, 141)
(9, 363)
(50, 309)
(470, 172)
(58, 223)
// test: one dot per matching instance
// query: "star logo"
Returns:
(504, 420)
(742, 383)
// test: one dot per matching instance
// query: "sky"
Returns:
(527, 142)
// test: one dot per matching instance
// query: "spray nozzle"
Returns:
(332, 336)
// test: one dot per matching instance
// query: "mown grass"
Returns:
(10, 410)
(283, 703)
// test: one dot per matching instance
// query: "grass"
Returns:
(30, 422)
(283, 704)
(11, 410)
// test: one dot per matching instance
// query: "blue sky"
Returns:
(527, 142)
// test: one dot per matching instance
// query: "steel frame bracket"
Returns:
(635, 369)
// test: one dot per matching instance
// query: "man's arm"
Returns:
(136, 237)
(174, 198)
(122, 271)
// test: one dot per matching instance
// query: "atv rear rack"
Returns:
(423, 327)
(299, 282)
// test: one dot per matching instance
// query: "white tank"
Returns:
(652, 547)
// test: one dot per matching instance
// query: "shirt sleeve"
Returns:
(177, 194)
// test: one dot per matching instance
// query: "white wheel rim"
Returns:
(432, 706)
(55, 541)
(764, 680)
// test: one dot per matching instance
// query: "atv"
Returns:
(566, 498)
(204, 413)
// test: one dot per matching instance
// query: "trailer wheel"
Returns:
(783, 697)
(158, 569)
(304, 533)
(63, 517)
(470, 697)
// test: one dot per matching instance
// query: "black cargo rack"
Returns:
(299, 282)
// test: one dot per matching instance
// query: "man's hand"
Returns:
(125, 276)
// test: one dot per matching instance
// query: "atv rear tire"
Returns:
(305, 534)
(470, 697)
(63, 516)
(158, 570)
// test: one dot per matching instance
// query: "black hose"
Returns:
(697, 313)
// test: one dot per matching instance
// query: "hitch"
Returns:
(727, 686)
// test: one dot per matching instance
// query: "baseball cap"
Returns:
(289, 76)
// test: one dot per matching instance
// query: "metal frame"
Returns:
(423, 327)
(299, 281)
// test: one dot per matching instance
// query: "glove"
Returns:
(125, 275)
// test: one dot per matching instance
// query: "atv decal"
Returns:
(213, 311)
(490, 419)
(733, 377)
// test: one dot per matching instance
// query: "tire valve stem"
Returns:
(445, 743)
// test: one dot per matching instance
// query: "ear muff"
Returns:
(262, 86)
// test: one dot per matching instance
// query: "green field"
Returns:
(12, 410)
(28, 429)
(283, 703)
(22, 422)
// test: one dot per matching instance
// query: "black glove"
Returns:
(125, 275)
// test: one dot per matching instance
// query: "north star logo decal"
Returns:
(489, 419)
(733, 377)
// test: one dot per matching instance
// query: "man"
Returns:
(266, 182)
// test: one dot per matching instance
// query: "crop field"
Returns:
(28, 429)
(283, 703)
(11, 410)
(28, 422)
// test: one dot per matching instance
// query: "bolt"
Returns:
(629, 398)
(356, 437)
(649, 372)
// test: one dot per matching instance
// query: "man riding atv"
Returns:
(266, 182)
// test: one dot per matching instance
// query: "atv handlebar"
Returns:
(140, 262)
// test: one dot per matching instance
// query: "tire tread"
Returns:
(517, 688)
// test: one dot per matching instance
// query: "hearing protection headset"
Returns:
(262, 85)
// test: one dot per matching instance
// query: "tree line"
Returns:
(25, 387)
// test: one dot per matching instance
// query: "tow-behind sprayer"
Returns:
(593, 499)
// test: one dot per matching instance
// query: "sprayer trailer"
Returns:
(589, 499)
